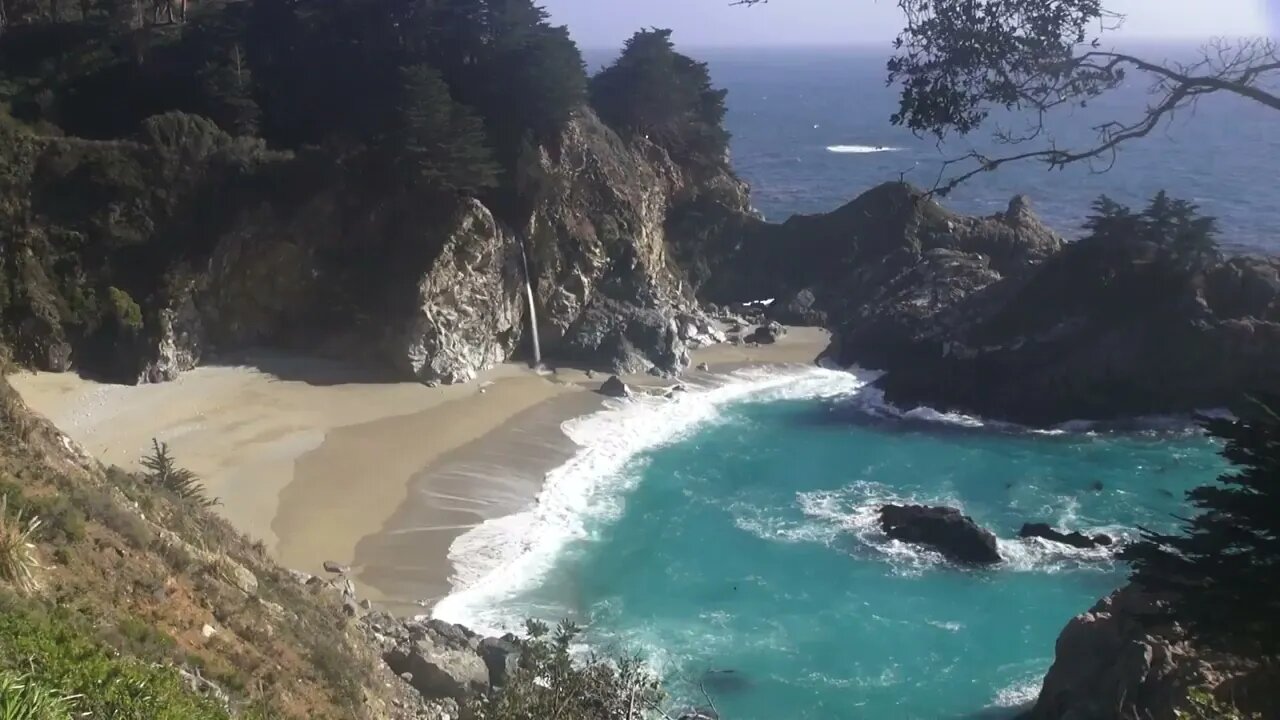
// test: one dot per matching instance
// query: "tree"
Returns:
(654, 91)
(441, 141)
(960, 60)
(1187, 241)
(1224, 570)
(162, 471)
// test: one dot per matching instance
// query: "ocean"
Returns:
(729, 534)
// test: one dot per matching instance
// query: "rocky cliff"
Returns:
(136, 260)
(1122, 659)
(998, 316)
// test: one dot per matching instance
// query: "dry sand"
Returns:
(382, 476)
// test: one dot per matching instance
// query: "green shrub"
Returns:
(550, 684)
(18, 561)
(57, 653)
(100, 505)
(124, 310)
(22, 698)
(1202, 705)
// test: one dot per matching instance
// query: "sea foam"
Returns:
(861, 149)
(505, 556)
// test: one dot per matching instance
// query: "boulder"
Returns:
(614, 387)
(333, 567)
(438, 670)
(501, 656)
(944, 529)
(766, 334)
(800, 309)
(1074, 539)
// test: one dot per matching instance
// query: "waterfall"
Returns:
(533, 314)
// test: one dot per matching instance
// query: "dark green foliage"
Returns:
(1224, 570)
(124, 311)
(1186, 239)
(550, 684)
(654, 91)
(441, 142)
(162, 470)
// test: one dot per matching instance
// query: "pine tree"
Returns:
(441, 141)
(654, 91)
(1224, 569)
(162, 470)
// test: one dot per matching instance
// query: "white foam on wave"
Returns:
(505, 556)
(1019, 694)
(861, 149)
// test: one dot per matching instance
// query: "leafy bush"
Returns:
(124, 311)
(18, 561)
(550, 684)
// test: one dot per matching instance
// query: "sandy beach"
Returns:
(379, 476)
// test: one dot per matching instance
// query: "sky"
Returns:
(714, 23)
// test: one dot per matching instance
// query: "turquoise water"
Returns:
(745, 541)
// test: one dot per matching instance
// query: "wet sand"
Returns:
(380, 476)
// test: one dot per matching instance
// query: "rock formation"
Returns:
(1074, 539)
(1121, 659)
(944, 529)
(249, 248)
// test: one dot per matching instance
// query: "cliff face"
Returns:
(1119, 660)
(998, 316)
(136, 260)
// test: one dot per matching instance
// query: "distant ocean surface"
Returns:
(729, 534)
(811, 131)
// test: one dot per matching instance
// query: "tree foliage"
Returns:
(549, 684)
(162, 470)
(654, 91)
(1186, 239)
(441, 142)
(960, 61)
(1224, 570)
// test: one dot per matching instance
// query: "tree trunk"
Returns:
(4, 19)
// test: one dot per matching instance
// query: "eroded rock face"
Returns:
(944, 529)
(471, 303)
(1121, 660)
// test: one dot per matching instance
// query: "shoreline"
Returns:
(381, 477)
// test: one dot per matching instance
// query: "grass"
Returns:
(22, 698)
(18, 562)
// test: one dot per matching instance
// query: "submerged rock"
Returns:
(1074, 539)
(944, 529)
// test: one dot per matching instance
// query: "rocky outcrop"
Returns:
(614, 388)
(247, 248)
(1074, 539)
(470, 306)
(1106, 328)
(610, 289)
(1121, 659)
(955, 535)
(443, 661)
